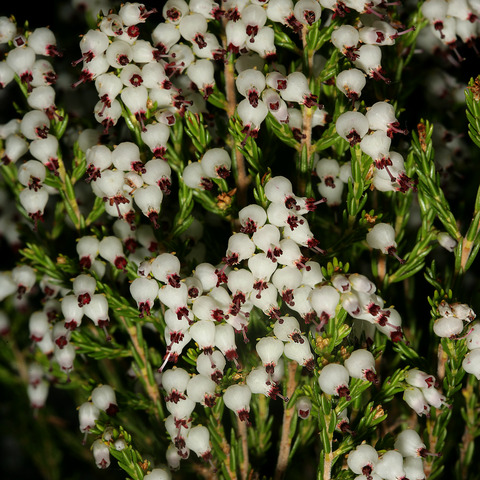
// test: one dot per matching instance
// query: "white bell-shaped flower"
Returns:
(201, 389)
(361, 364)
(15, 147)
(182, 409)
(251, 218)
(414, 469)
(351, 83)
(8, 29)
(211, 366)
(198, 440)
(203, 332)
(382, 237)
(111, 249)
(390, 466)
(471, 362)
(259, 382)
(409, 444)
(324, 301)
(269, 349)
(38, 393)
(333, 380)
(307, 12)
(156, 136)
(38, 325)
(97, 310)
(144, 291)
(216, 163)
(352, 126)
(419, 379)
(250, 83)
(103, 397)
(303, 406)
(415, 400)
(473, 337)
(237, 398)
(287, 329)
(88, 414)
(363, 460)
(447, 327)
(300, 352)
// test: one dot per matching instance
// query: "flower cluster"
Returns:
(405, 461)
(186, 262)
(27, 60)
(420, 393)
